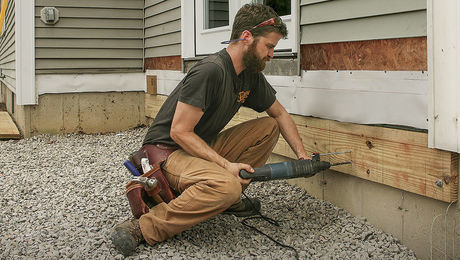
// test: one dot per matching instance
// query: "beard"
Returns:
(251, 61)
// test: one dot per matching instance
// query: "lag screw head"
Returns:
(439, 183)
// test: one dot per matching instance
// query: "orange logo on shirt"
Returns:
(242, 96)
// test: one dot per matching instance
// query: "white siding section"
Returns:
(77, 83)
(365, 97)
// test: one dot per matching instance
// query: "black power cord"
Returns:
(269, 220)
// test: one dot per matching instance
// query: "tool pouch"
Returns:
(139, 199)
(135, 193)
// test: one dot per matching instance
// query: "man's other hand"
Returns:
(235, 168)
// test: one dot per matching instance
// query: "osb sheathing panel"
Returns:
(163, 63)
(393, 157)
(404, 54)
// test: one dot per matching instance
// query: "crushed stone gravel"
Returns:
(60, 196)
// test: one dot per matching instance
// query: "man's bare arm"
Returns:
(288, 129)
(186, 117)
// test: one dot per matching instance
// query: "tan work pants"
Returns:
(206, 188)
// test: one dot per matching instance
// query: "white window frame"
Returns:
(197, 41)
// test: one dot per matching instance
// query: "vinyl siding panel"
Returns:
(354, 20)
(7, 48)
(160, 51)
(90, 36)
(162, 28)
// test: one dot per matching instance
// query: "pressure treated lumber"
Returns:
(8, 129)
(393, 157)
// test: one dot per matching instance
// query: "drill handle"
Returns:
(245, 174)
(260, 174)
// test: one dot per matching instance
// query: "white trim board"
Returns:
(443, 20)
(364, 97)
(188, 28)
(25, 52)
(76, 83)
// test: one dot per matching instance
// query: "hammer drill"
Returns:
(292, 169)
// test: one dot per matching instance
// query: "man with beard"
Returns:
(203, 162)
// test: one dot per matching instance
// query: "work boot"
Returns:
(126, 236)
(244, 208)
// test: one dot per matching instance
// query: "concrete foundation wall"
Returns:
(407, 216)
(79, 112)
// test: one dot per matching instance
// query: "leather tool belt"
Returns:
(140, 199)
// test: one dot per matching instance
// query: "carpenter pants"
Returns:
(205, 188)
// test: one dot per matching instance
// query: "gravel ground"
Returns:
(60, 196)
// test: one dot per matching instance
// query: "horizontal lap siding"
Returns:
(90, 36)
(355, 20)
(162, 28)
(7, 48)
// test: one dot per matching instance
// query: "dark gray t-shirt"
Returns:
(213, 86)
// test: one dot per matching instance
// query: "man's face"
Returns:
(260, 51)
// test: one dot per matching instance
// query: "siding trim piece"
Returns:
(188, 29)
(25, 53)
(77, 83)
(444, 56)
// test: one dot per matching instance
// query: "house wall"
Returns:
(162, 34)
(90, 37)
(89, 68)
(8, 47)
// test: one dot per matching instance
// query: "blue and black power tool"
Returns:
(291, 169)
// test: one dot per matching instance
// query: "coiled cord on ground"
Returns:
(269, 220)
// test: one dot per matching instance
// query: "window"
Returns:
(281, 7)
(206, 23)
(216, 14)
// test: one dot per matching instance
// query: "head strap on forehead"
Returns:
(275, 21)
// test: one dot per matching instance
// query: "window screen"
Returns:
(216, 13)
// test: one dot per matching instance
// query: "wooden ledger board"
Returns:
(397, 158)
